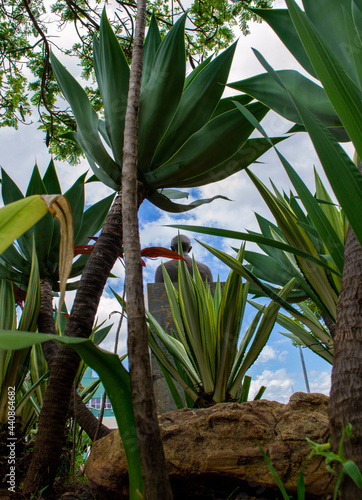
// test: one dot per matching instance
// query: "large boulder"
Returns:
(210, 452)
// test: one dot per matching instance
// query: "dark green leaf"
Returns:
(279, 20)
(264, 88)
(197, 104)
(51, 181)
(165, 203)
(217, 141)
(152, 42)
(87, 135)
(161, 96)
(112, 73)
(251, 151)
(93, 219)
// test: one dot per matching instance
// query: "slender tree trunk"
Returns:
(49, 440)
(156, 482)
(345, 405)
(77, 408)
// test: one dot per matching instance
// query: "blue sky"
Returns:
(278, 367)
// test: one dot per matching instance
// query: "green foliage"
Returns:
(116, 382)
(209, 361)
(348, 467)
(28, 31)
(184, 138)
(332, 56)
(27, 387)
(15, 261)
(306, 244)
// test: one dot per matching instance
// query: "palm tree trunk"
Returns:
(77, 408)
(155, 477)
(49, 440)
(345, 405)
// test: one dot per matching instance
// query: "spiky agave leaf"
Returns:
(15, 261)
(183, 122)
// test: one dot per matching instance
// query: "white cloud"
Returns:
(320, 382)
(266, 355)
(282, 357)
(279, 385)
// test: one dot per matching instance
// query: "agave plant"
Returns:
(210, 359)
(15, 261)
(325, 39)
(14, 365)
(306, 244)
(188, 135)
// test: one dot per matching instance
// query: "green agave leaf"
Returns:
(13, 258)
(279, 20)
(342, 173)
(161, 96)
(267, 268)
(245, 388)
(93, 219)
(226, 233)
(190, 77)
(17, 217)
(342, 92)
(301, 335)
(164, 203)
(245, 273)
(341, 41)
(51, 181)
(265, 327)
(152, 42)
(42, 232)
(9, 190)
(167, 365)
(230, 318)
(325, 296)
(335, 216)
(75, 196)
(227, 104)
(174, 194)
(36, 184)
(266, 90)
(197, 104)
(324, 228)
(338, 132)
(12, 275)
(29, 317)
(8, 309)
(112, 73)
(174, 347)
(251, 151)
(174, 392)
(210, 146)
(10, 193)
(87, 135)
(110, 369)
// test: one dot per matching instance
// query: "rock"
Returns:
(212, 451)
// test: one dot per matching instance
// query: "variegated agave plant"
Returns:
(188, 135)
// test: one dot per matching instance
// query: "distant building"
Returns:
(95, 404)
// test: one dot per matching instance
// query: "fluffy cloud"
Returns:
(279, 385)
(320, 382)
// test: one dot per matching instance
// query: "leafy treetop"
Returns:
(30, 29)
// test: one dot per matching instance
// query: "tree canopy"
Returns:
(30, 30)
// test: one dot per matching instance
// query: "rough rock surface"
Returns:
(210, 452)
